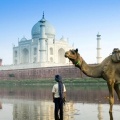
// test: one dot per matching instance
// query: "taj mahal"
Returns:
(42, 50)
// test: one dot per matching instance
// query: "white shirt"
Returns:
(55, 90)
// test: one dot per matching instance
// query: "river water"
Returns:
(35, 103)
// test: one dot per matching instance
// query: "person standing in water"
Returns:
(59, 97)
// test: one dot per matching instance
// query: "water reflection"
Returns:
(100, 117)
(35, 103)
(0, 105)
(33, 111)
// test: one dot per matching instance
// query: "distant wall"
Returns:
(41, 73)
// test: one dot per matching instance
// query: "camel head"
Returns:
(74, 56)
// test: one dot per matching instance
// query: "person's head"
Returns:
(58, 78)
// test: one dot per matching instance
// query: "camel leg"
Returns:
(111, 95)
(116, 87)
(111, 116)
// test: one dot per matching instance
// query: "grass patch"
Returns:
(77, 81)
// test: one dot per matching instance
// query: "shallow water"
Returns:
(35, 103)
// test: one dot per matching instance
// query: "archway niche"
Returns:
(25, 56)
(61, 58)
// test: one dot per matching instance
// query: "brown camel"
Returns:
(107, 69)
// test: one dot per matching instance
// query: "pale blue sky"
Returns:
(77, 20)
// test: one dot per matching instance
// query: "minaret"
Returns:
(98, 49)
(42, 40)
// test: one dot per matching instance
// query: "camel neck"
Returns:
(89, 70)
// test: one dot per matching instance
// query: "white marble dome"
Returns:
(49, 29)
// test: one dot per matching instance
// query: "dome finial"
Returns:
(43, 19)
(43, 14)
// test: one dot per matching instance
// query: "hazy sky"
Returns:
(77, 20)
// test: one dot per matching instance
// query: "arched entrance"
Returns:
(25, 56)
(61, 58)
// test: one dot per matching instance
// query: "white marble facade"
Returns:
(42, 48)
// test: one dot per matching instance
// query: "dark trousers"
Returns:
(58, 109)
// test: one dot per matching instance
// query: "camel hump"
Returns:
(116, 55)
